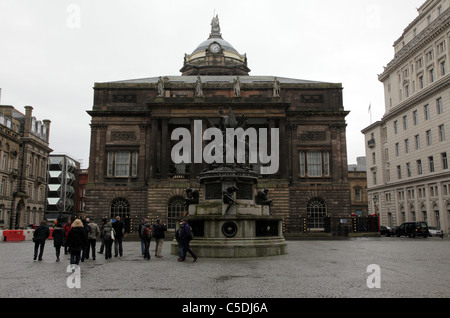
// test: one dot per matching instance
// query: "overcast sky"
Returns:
(53, 51)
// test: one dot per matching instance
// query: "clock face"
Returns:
(215, 48)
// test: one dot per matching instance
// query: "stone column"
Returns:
(152, 148)
(165, 141)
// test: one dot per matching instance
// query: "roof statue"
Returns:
(215, 28)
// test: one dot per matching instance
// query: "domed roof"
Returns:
(224, 44)
(215, 56)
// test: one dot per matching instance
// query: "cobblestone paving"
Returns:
(408, 268)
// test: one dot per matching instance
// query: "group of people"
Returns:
(80, 236)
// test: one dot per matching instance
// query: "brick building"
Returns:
(131, 172)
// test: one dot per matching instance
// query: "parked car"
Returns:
(386, 230)
(413, 229)
(435, 232)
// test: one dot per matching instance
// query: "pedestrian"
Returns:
(92, 238)
(119, 231)
(66, 228)
(184, 236)
(146, 234)
(86, 230)
(102, 246)
(141, 237)
(108, 235)
(76, 241)
(158, 234)
(41, 233)
(58, 239)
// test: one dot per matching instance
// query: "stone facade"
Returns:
(24, 150)
(408, 177)
(132, 122)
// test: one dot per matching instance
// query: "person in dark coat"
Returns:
(108, 236)
(119, 229)
(183, 236)
(158, 233)
(39, 236)
(66, 228)
(76, 241)
(58, 239)
(146, 235)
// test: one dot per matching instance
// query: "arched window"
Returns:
(120, 207)
(175, 210)
(317, 211)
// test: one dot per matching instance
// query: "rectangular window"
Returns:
(408, 169)
(431, 72)
(431, 163)
(443, 68)
(426, 111)
(314, 164)
(417, 141)
(415, 118)
(122, 164)
(429, 140)
(399, 172)
(444, 160)
(397, 149)
(419, 167)
(395, 127)
(441, 133)
(358, 194)
(406, 145)
(405, 122)
(439, 106)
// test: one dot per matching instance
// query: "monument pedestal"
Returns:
(237, 229)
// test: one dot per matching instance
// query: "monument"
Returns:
(232, 220)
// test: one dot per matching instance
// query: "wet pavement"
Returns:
(403, 268)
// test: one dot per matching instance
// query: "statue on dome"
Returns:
(215, 26)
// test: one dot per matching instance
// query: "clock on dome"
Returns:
(215, 48)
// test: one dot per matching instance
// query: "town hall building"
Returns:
(132, 173)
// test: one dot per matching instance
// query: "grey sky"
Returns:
(53, 51)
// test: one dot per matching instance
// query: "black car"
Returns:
(386, 230)
(413, 229)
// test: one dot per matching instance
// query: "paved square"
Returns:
(339, 268)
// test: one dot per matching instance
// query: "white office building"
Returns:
(408, 175)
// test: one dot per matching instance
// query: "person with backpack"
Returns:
(184, 236)
(146, 235)
(108, 235)
(158, 234)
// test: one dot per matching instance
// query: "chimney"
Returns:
(47, 129)
(28, 113)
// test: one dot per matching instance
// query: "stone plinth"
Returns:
(238, 229)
